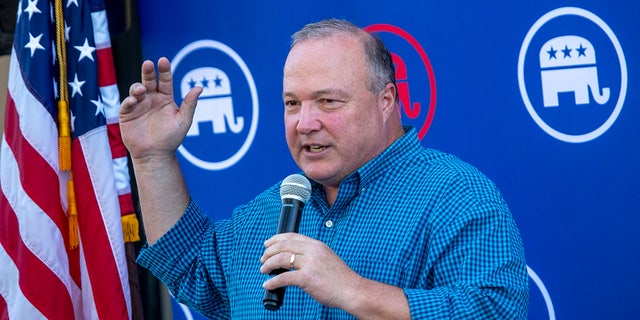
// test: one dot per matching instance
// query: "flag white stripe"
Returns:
(17, 304)
(106, 195)
(100, 29)
(110, 102)
(121, 172)
(89, 310)
(36, 123)
(33, 223)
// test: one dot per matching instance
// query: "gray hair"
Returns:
(376, 53)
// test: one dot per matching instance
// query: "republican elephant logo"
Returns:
(568, 64)
(214, 104)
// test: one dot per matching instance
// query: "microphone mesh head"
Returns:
(295, 186)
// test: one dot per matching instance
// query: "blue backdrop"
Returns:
(542, 96)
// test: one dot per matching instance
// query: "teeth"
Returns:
(315, 148)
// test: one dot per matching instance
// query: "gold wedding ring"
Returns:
(292, 260)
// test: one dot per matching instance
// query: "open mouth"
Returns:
(315, 149)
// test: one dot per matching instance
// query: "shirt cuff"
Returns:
(165, 257)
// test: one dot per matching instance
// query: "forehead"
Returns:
(334, 47)
(334, 59)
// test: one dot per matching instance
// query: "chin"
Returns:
(314, 174)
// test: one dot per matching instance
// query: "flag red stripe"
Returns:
(34, 169)
(106, 71)
(38, 180)
(53, 301)
(103, 273)
(4, 312)
(126, 204)
(118, 149)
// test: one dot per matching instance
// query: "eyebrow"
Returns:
(318, 93)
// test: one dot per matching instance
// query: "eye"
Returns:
(329, 103)
(290, 103)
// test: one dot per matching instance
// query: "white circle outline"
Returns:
(545, 294)
(623, 75)
(254, 96)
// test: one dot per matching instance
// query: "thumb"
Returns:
(188, 106)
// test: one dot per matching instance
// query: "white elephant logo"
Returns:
(214, 104)
(568, 64)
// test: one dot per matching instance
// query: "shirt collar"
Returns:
(376, 167)
(379, 165)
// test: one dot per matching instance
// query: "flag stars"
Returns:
(53, 53)
(55, 88)
(72, 121)
(70, 2)
(32, 8)
(218, 81)
(34, 43)
(76, 86)
(99, 106)
(67, 29)
(86, 50)
(192, 83)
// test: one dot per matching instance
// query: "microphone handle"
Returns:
(290, 214)
(272, 299)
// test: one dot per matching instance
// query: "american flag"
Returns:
(41, 275)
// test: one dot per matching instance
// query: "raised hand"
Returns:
(152, 125)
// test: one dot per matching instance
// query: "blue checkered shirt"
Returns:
(412, 217)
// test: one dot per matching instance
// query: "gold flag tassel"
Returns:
(64, 124)
(64, 135)
(130, 227)
(73, 216)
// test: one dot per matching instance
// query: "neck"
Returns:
(332, 194)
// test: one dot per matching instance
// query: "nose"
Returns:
(308, 120)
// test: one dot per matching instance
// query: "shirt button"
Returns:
(329, 224)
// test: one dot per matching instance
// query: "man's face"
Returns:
(333, 123)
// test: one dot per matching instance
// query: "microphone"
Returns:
(295, 191)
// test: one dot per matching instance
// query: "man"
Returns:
(392, 230)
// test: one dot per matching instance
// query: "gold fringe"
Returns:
(64, 125)
(73, 217)
(130, 228)
(64, 136)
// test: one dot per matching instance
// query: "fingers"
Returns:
(190, 101)
(162, 81)
(165, 81)
(136, 93)
(288, 261)
(282, 260)
(148, 75)
(279, 250)
(284, 279)
(284, 242)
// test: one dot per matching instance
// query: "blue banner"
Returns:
(542, 96)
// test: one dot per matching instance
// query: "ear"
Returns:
(387, 100)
